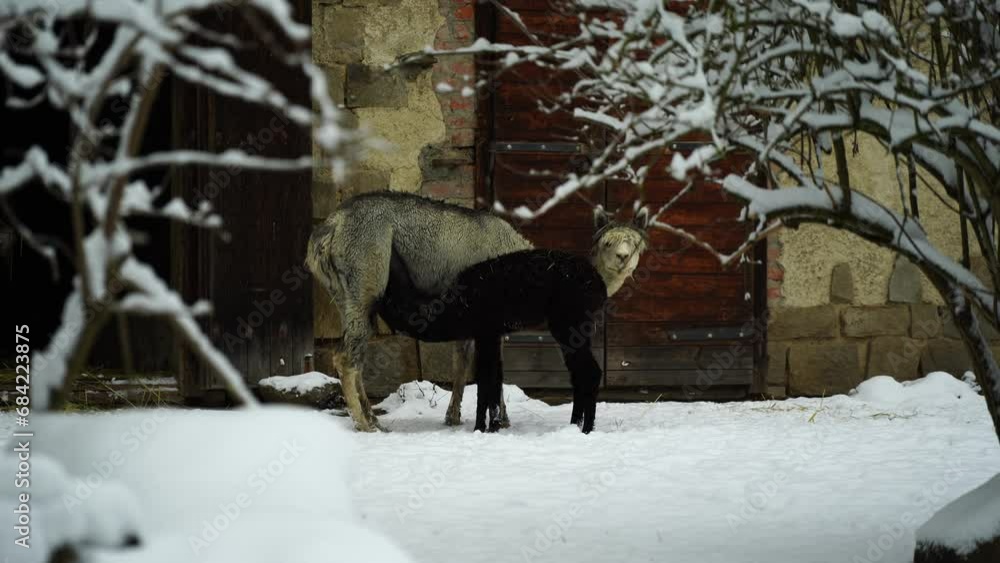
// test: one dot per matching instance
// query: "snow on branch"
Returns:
(83, 76)
(791, 82)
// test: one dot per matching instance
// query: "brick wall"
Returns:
(449, 167)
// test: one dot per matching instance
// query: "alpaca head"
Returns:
(617, 246)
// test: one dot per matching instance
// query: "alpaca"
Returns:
(516, 291)
(350, 252)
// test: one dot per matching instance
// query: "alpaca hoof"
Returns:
(452, 420)
(505, 422)
(370, 424)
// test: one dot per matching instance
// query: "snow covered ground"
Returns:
(844, 479)
(797, 481)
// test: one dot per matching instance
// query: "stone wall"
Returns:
(429, 130)
(840, 306)
(873, 172)
(822, 350)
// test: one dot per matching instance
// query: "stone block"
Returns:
(439, 361)
(876, 321)
(945, 355)
(340, 35)
(788, 323)
(949, 330)
(444, 163)
(336, 77)
(905, 283)
(842, 284)
(327, 195)
(825, 368)
(391, 360)
(371, 86)
(776, 392)
(326, 394)
(777, 363)
(925, 321)
(897, 356)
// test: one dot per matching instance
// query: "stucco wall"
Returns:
(826, 336)
(809, 253)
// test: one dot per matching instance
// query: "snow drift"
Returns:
(221, 486)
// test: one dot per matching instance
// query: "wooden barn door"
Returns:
(253, 271)
(684, 325)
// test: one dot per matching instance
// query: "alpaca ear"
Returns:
(601, 217)
(641, 219)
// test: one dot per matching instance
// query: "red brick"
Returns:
(462, 103)
(462, 137)
(776, 274)
(773, 253)
(461, 67)
(462, 31)
(774, 293)
(460, 120)
(465, 12)
(448, 189)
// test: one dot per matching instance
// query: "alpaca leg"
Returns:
(464, 364)
(504, 421)
(495, 398)
(357, 331)
(366, 405)
(577, 415)
(585, 375)
(487, 358)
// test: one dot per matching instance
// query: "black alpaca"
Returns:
(506, 294)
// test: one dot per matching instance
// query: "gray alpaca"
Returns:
(350, 255)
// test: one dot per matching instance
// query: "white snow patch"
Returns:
(937, 389)
(965, 523)
(299, 384)
(222, 486)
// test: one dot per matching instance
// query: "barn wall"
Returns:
(431, 136)
(843, 309)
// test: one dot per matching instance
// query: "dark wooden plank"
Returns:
(692, 286)
(643, 358)
(539, 358)
(658, 333)
(538, 379)
(683, 312)
(736, 355)
(671, 378)
(645, 394)
(650, 358)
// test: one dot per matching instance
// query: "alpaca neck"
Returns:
(613, 280)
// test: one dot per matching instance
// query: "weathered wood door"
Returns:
(252, 272)
(684, 325)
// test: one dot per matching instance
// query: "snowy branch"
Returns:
(83, 77)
